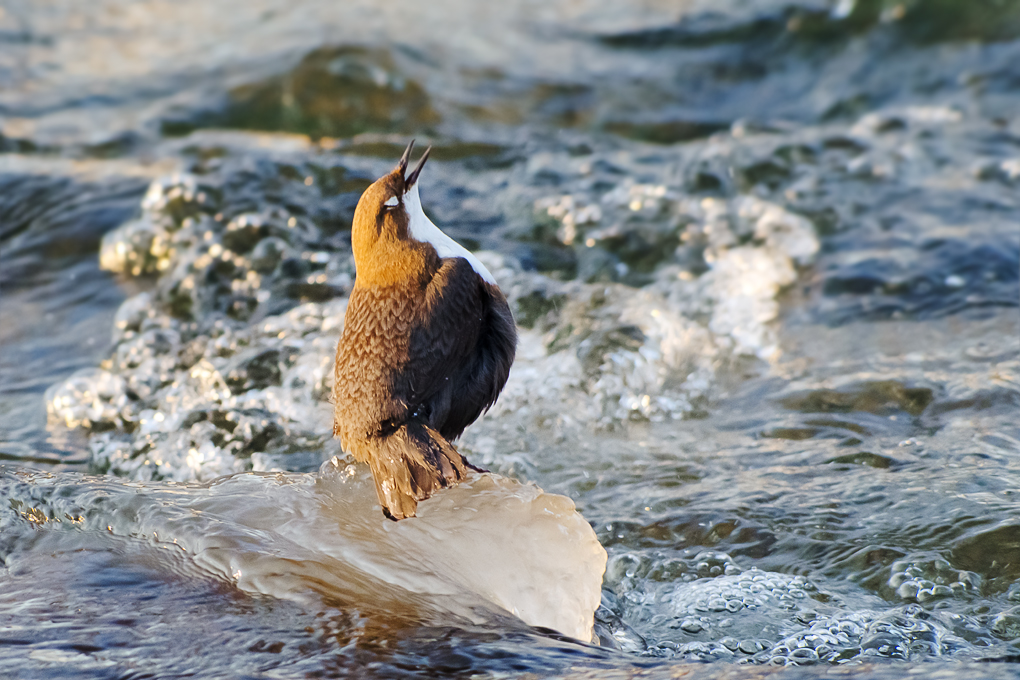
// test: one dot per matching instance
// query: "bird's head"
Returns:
(380, 235)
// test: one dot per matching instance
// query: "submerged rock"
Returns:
(477, 552)
(514, 545)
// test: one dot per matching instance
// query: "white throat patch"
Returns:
(422, 229)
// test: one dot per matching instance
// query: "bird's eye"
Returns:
(391, 202)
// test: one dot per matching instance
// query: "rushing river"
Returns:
(765, 261)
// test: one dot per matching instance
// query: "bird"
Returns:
(427, 345)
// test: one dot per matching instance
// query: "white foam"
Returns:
(422, 229)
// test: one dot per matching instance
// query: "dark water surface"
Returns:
(765, 260)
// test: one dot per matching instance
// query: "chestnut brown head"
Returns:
(381, 223)
(392, 237)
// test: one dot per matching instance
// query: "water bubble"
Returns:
(750, 646)
(691, 626)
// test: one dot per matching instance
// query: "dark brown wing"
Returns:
(459, 357)
(442, 338)
(480, 380)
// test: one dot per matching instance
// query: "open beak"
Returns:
(409, 180)
(413, 177)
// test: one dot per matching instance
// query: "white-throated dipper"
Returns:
(427, 345)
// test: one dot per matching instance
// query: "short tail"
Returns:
(410, 465)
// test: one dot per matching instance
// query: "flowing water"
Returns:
(764, 260)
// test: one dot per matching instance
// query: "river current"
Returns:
(763, 256)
